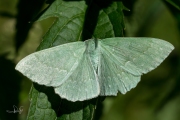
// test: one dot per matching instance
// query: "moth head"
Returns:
(91, 44)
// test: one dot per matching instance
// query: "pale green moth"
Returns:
(80, 71)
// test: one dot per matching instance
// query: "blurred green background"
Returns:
(157, 96)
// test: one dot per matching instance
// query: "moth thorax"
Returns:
(93, 50)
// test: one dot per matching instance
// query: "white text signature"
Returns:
(16, 110)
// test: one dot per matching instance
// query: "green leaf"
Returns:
(174, 6)
(76, 21)
(69, 23)
(175, 3)
(40, 107)
(110, 21)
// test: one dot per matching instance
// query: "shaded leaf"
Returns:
(175, 3)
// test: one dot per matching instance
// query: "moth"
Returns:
(80, 71)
